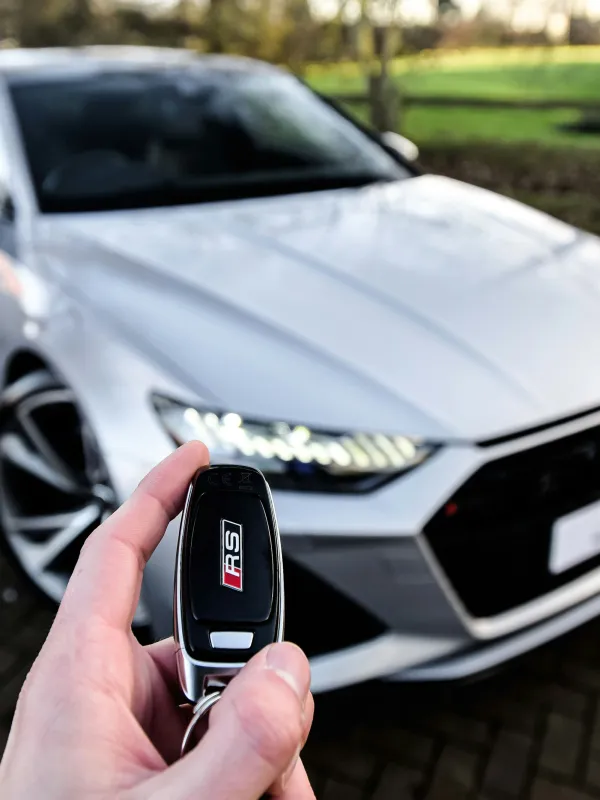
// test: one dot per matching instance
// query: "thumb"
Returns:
(255, 732)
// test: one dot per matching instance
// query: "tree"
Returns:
(53, 22)
(579, 30)
(379, 37)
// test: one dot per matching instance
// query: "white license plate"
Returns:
(575, 538)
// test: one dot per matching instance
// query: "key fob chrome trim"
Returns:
(198, 675)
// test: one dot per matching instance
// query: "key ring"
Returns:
(201, 709)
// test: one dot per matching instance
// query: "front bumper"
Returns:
(371, 551)
(452, 659)
(479, 658)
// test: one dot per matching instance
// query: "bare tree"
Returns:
(379, 25)
(576, 13)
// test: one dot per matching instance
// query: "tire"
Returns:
(54, 484)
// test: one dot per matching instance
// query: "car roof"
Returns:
(80, 61)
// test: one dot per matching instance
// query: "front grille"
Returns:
(492, 538)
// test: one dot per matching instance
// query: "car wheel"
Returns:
(54, 484)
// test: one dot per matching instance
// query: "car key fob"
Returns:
(229, 595)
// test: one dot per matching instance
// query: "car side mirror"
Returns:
(400, 145)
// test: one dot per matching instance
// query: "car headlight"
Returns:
(293, 456)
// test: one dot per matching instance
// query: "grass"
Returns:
(545, 81)
(557, 73)
(521, 153)
(473, 57)
(426, 125)
(548, 81)
(502, 72)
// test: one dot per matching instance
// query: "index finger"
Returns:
(107, 579)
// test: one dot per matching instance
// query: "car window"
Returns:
(114, 140)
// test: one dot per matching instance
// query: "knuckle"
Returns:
(271, 720)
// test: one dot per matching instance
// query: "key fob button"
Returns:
(230, 577)
(231, 640)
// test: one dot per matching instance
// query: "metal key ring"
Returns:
(201, 709)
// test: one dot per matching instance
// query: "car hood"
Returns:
(424, 306)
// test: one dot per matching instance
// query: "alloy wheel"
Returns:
(54, 485)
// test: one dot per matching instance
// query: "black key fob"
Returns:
(229, 597)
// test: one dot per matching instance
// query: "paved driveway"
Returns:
(532, 731)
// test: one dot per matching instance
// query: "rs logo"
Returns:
(232, 555)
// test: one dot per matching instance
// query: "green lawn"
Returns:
(460, 125)
(545, 80)
(506, 75)
(429, 125)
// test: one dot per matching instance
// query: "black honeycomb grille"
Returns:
(493, 537)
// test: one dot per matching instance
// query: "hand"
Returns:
(99, 714)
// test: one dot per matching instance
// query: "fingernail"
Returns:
(289, 663)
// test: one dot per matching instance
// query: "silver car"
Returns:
(203, 248)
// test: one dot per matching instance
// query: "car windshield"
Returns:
(151, 138)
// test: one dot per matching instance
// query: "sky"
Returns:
(532, 13)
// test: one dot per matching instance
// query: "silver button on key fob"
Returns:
(229, 596)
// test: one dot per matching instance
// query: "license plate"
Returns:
(575, 538)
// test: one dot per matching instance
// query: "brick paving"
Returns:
(531, 732)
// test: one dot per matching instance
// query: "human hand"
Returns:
(99, 715)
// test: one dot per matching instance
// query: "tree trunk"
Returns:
(383, 96)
